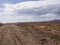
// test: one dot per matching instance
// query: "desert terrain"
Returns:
(36, 33)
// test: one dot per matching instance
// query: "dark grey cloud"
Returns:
(34, 11)
(56, 11)
(53, 9)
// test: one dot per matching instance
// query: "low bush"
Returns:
(1, 24)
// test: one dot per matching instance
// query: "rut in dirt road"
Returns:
(8, 36)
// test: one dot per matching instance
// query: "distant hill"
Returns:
(55, 20)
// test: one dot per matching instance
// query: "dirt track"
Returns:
(28, 35)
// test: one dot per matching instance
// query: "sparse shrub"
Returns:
(55, 37)
(1, 24)
(18, 24)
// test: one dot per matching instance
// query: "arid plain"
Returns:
(34, 33)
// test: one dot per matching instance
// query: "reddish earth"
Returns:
(30, 34)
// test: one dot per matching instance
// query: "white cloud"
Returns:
(30, 4)
(48, 15)
(10, 8)
(10, 18)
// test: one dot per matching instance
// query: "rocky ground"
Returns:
(30, 34)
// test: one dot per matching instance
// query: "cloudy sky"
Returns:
(29, 10)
